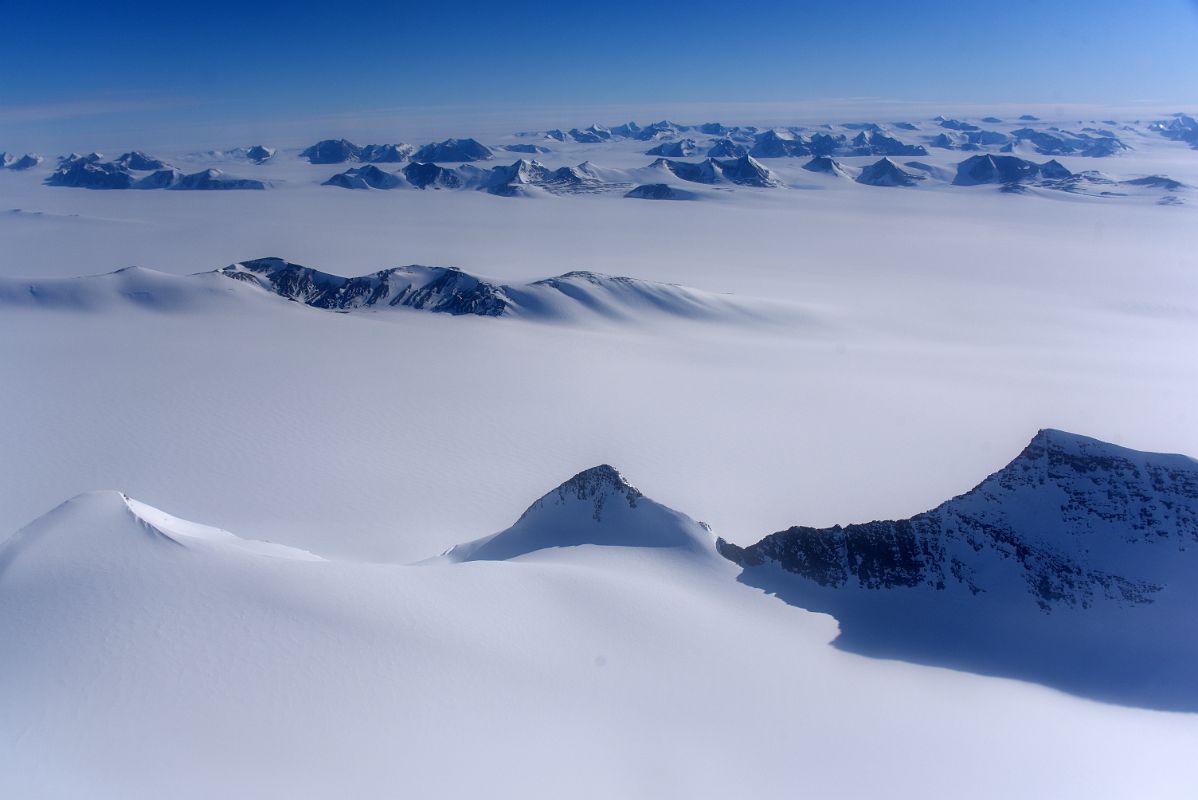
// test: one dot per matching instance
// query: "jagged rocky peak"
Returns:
(597, 507)
(1071, 521)
(594, 486)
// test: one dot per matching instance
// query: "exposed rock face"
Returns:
(658, 191)
(887, 173)
(595, 487)
(873, 143)
(385, 153)
(27, 161)
(826, 165)
(679, 149)
(517, 178)
(592, 135)
(530, 149)
(747, 171)
(432, 176)
(139, 161)
(1182, 128)
(453, 150)
(958, 125)
(1056, 142)
(779, 144)
(260, 154)
(596, 507)
(331, 151)
(726, 148)
(1005, 170)
(367, 177)
(659, 130)
(744, 171)
(161, 179)
(1157, 182)
(1070, 519)
(438, 289)
(84, 173)
(339, 151)
(214, 179)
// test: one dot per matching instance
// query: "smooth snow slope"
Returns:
(147, 657)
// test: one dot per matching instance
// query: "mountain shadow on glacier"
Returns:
(1073, 567)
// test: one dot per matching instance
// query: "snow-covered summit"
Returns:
(101, 526)
(1074, 566)
(1071, 521)
(598, 506)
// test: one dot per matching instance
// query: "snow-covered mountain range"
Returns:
(572, 296)
(733, 155)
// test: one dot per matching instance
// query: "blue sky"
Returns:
(243, 61)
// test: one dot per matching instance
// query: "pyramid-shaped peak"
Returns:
(594, 485)
(596, 507)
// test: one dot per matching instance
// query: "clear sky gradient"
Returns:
(247, 61)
